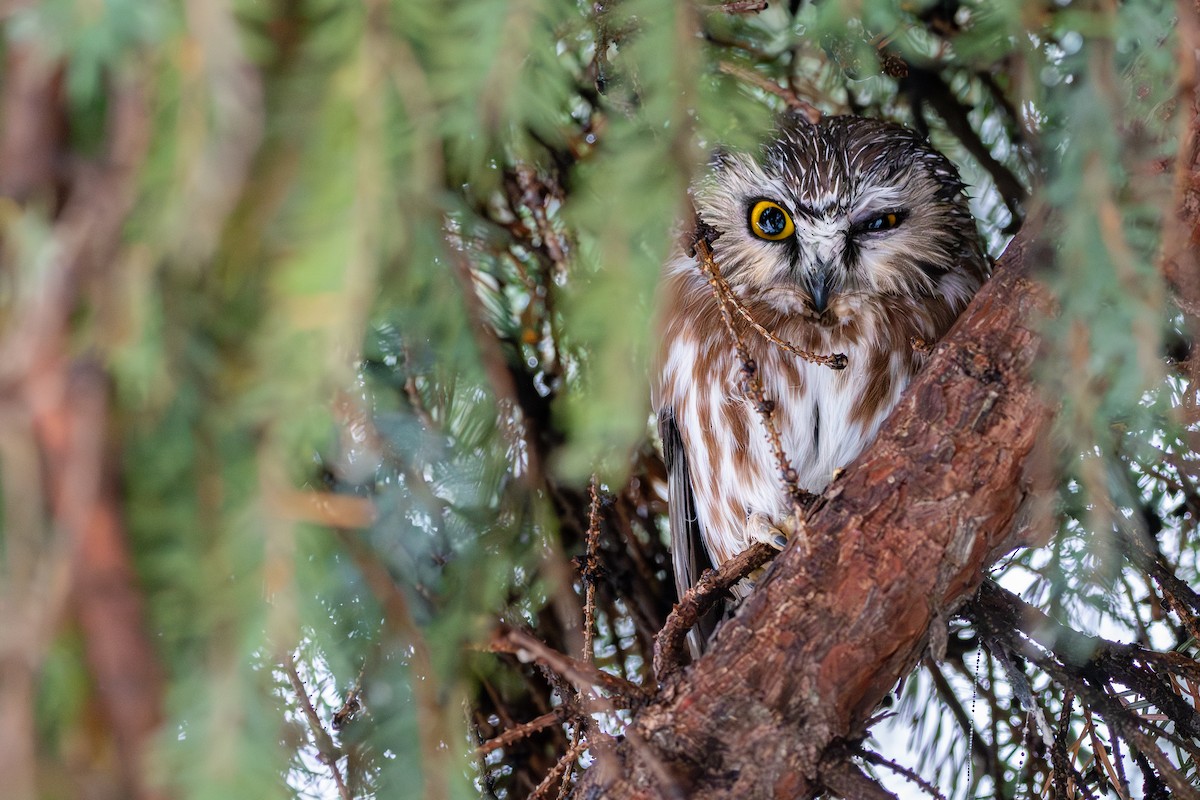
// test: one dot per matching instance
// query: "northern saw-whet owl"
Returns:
(848, 235)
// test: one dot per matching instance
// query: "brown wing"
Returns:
(687, 546)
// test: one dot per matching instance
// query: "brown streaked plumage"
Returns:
(846, 236)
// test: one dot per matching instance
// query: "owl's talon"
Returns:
(759, 528)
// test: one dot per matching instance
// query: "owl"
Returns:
(848, 235)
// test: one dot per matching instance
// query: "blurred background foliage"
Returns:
(331, 310)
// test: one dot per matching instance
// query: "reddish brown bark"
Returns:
(34, 126)
(107, 599)
(65, 400)
(895, 545)
(1180, 258)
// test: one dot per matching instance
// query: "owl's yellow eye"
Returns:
(769, 221)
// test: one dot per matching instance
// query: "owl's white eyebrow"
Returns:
(882, 198)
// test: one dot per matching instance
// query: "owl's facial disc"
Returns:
(839, 214)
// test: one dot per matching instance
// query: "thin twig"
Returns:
(1001, 623)
(744, 6)
(589, 570)
(1186, 618)
(329, 751)
(522, 731)
(584, 676)
(751, 383)
(696, 601)
(555, 775)
(844, 778)
(66, 397)
(788, 96)
(713, 272)
(1100, 754)
(928, 87)
(905, 772)
(978, 746)
(1062, 770)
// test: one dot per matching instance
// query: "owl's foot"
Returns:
(760, 528)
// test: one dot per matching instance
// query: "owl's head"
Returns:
(840, 212)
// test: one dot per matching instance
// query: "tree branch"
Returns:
(696, 601)
(583, 675)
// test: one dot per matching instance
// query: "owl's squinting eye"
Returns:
(883, 222)
(770, 221)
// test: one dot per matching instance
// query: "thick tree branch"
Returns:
(896, 544)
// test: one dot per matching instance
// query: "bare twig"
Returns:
(328, 750)
(905, 772)
(1167, 772)
(1101, 756)
(589, 569)
(1120, 762)
(927, 86)
(845, 779)
(34, 123)
(584, 676)
(563, 767)
(744, 6)
(793, 100)
(696, 601)
(1062, 771)
(725, 295)
(67, 402)
(522, 731)
(1177, 260)
(751, 382)
(1186, 617)
(323, 508)
(1003, 617)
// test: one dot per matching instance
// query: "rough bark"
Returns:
(894, 546)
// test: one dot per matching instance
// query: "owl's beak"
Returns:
(819, 287)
